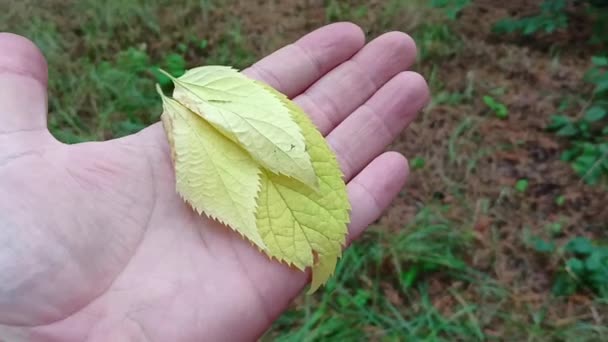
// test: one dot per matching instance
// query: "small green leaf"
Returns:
(568, 130)
(579, 245)
(593, 262)
(530, 28)
(583, 128)
(590, 150)
(501, 112)
(592, 75)
(489, 101)
(361, 298)
(521, 185)
(593, 176)
(582, 164)
(499, 109)
(569, 154)
(595, 113)
(575, 265)
(564, 285)
(418, 163)
(601, 86)
(558, 121)
(555, 228)
(599, 61)
(408, 278)
(175, 64)
(542, 246)
(560, 200)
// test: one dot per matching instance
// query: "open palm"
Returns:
(95, 244)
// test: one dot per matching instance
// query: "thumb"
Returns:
(23, 85)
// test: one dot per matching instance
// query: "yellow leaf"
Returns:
(297, 222)
(249, 115)
(212, 173)
(323, 269)
(226, 134)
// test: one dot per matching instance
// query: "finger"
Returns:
(374, 125)
(372, 190)
(331, 99)
(23, 80)
(295, 67)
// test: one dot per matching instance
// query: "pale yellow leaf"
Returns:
(323, 269)
(250, 115)
(213, 174)
(297, 222)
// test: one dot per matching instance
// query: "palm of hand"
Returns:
(97, 244)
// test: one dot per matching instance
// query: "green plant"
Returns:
(124, 101)
(123, 89)
(541, 245)
(553, 15)
(451, 7)
(381, 288)
(231, 49)
(582, 265)
(585, 266)
(174, 64)
(336, 11)
(499, 109)
(555, 228)
(588, 150)
(521, 185)
(417, 163)
(436, 40)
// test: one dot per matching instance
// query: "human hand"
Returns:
(95, 244)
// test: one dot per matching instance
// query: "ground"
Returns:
(457, 255)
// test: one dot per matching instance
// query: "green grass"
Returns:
(106, 59)
(103, 66)
(415, 285)
(341, 11)
(381, 288)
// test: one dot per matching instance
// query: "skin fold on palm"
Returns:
(95, 244)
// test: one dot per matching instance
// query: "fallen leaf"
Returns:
(229, 138)
(250, 115)
(212, 173)
(297, 222)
